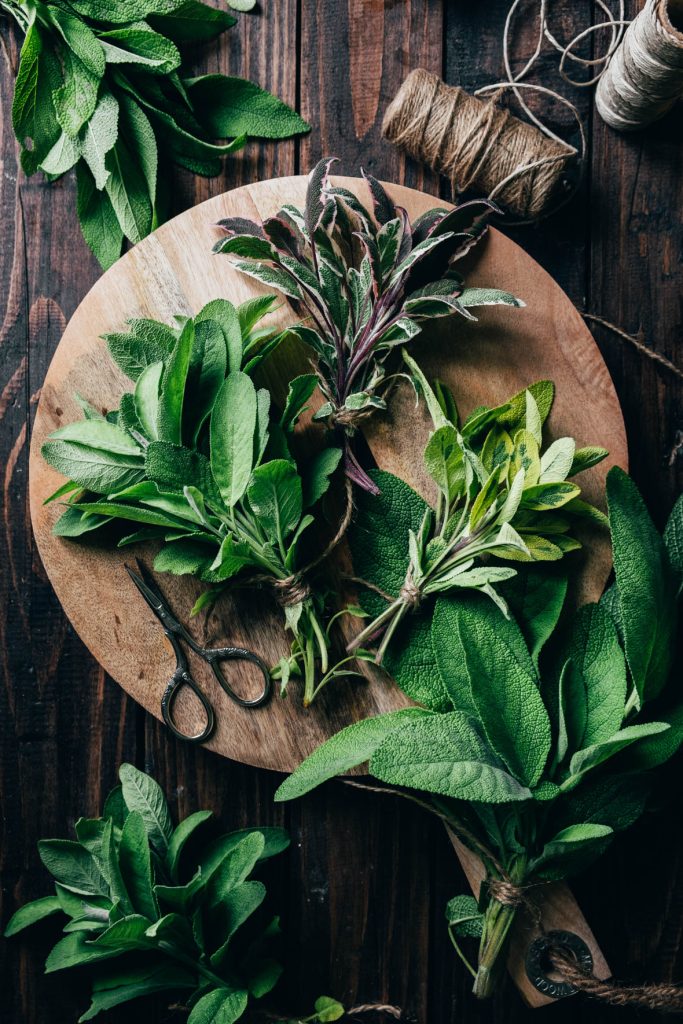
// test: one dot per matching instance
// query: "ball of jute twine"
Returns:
(481, 145)
(476, 143)
(644, 77)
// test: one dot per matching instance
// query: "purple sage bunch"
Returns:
(364, 283)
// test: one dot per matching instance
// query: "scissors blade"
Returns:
(152, 596)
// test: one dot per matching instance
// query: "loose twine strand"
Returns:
(477, 143)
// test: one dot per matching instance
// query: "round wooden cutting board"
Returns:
(174, 272)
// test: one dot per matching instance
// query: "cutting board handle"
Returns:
(558, 910)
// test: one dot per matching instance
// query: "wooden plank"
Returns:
(636, 264)
(65, 727)
(369, 912)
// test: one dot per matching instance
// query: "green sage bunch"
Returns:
(537, 734)
(195, 458)
(367, 282)
(157, 909)
(102, 87)
(499, 495)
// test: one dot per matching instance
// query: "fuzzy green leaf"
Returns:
(646, 584)
(233, 424)
(352, 746)
(444, 754)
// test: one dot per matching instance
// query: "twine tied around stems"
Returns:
(295, 588)
(410, 593)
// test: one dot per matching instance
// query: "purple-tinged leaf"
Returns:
(249, 246)
(371, 251)
(270, 276)
(284, 235)
(426, 221)
(241, 226)
(357, 474)
(382, 205)
(315, 205)
(418, 254)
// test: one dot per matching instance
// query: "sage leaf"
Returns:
(136, 866)
(596, 654)
(141, 793)
(98, 220)
(233, 106)
(646, 584)
(30, 913)
(172, 387)
(220, 1006)
(464, 917)
(276, 497)
(99, 136)
(233, 424)
(180, 836)
(444, 754)
(505, 690)
(72, 866)
(317, 473)
(347, 749)
(123, 986)
(594, 755)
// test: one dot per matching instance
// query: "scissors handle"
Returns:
(180, 678)
(215, 656)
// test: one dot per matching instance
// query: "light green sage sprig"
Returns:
(102, 87)
(537, 735)
(499, 495)
(195, 458)
(154, 909)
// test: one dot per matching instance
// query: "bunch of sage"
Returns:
(195, 458)
(102, 86)
(154, 909)
(367, 282)
(537, 735)
(498, 495)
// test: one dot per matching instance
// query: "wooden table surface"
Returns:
(363, 889)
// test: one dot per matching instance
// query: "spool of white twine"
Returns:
(644, 77)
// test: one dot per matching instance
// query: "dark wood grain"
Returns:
(363, 888)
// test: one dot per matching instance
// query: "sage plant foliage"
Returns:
(366, 281)
(499, 496)
(157, 909)
(102, 87)
(538, 733)
(196, 458)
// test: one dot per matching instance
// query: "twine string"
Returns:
(644, 77)
(387, 1008)
(477, 143)
(295, 588)
(650, 996)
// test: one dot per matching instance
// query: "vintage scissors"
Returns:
(213, 656)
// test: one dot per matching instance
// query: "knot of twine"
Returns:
(507, 892)
(476, 143)
(410, 594)
(350, 419)
(650, 997)
(644, 77)
(291, 590)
